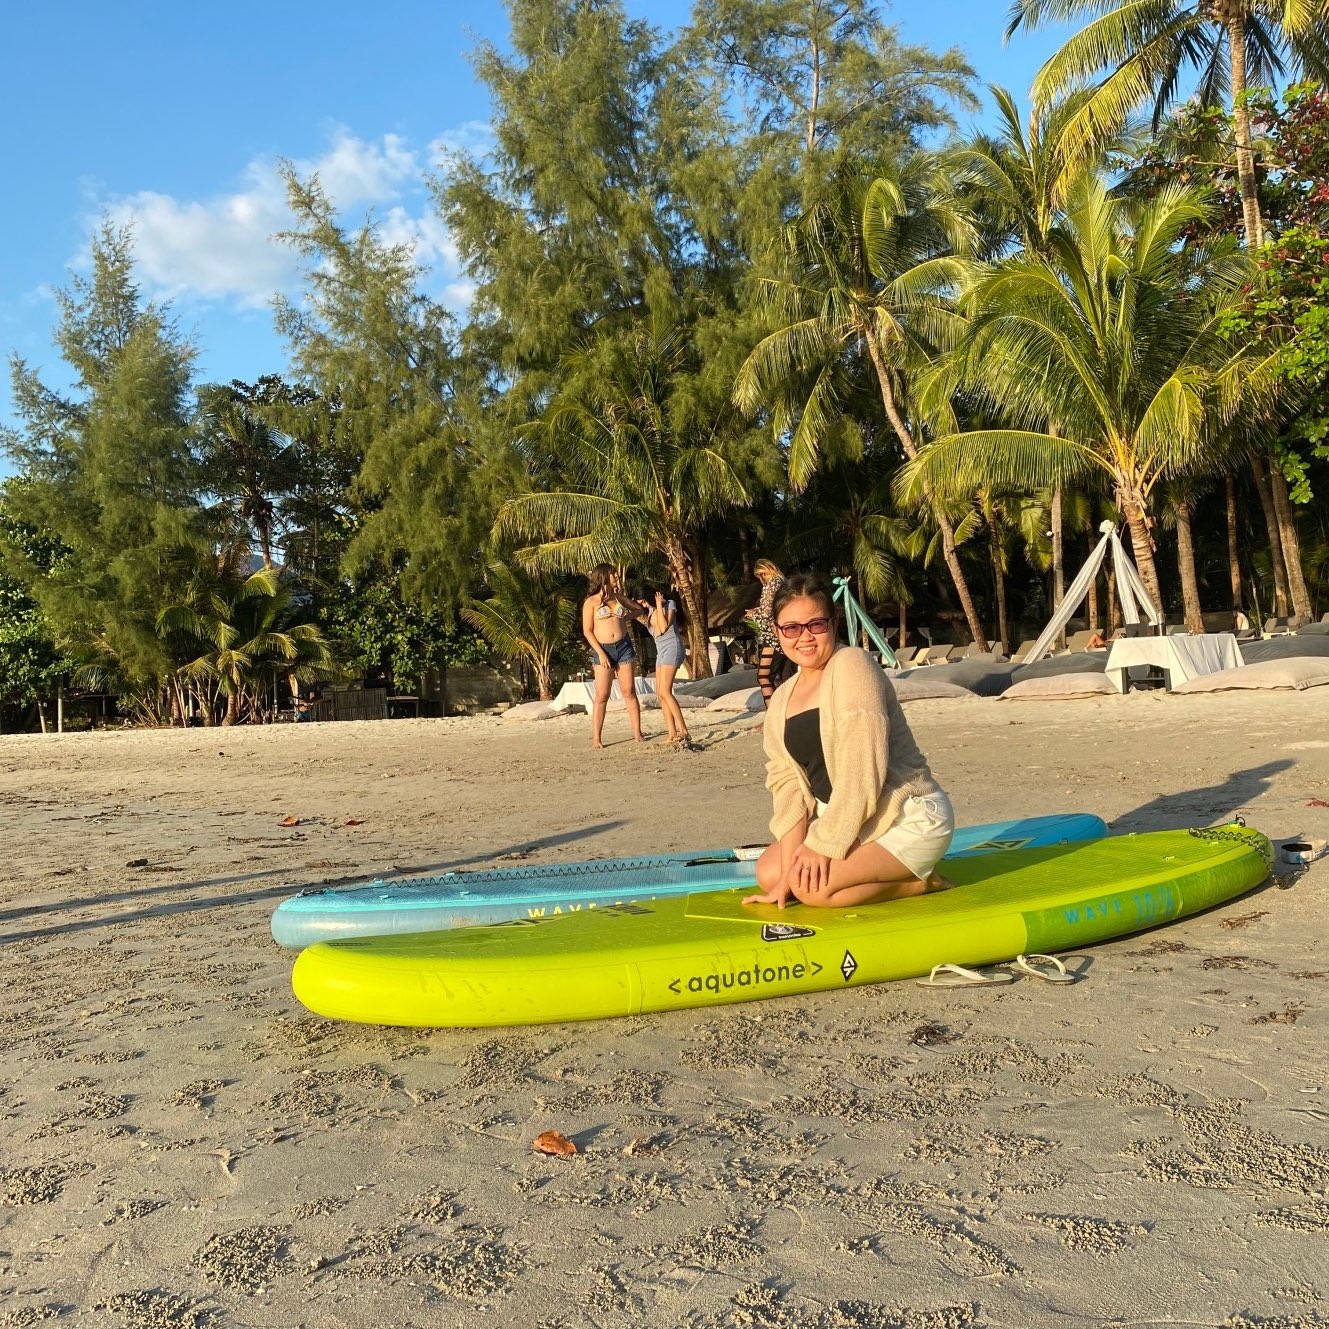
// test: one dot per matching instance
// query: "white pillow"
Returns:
(1054, 687)
(1298, 672)
(919, 687)
(532, 710)
(745, 699)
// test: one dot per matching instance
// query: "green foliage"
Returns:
(375, 629)
(250, 465)
(244, 634)
(382, 356)
(1136, 54)
(817, 78)
(31, 666)
(524, 618)
(110, 472)
(1285, 310)
(1115, 335)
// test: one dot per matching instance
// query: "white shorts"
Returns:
(922, 835)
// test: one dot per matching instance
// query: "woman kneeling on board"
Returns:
(858, 817)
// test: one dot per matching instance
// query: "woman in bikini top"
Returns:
(604, 623)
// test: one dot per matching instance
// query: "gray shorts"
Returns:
(671, 654)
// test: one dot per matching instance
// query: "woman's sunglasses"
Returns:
(793, 631)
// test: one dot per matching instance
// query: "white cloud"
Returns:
(475, 138)
(224, 248)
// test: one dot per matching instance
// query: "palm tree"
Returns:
(1020, 176)
(870, 268)
(524, 619)
(1143, 46)
(1116, 335)
(850, 507)
(1023, 171)
(249, 463)
(641, 468)
(247, 636)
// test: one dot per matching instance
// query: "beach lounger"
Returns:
(1078, 641)
(907, 656)
(1280, 627)
(1023, 649)
(942, 654)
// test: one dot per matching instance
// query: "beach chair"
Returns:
(942, 654)
(1023, 649)
(1278, 627)
(1078, 641)
(1177, 630)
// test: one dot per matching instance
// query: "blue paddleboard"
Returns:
(498, 895)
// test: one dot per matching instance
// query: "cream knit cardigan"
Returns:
(872, 759)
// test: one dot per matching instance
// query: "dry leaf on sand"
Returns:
(289, 821)
(553, 1142)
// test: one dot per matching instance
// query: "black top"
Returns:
(802, 737)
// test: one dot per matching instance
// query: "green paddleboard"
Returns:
(710, 949)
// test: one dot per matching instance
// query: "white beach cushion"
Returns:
(745, 699)
(1057, 687)
(918, 686)
(532, 710)
(1296, 672)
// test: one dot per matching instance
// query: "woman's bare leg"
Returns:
(871, 875)
(673, 712)
(604, 680)
(766, 658)
(627, 686)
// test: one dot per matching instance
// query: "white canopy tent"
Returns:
(1134, 598)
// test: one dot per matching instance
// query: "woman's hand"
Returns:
(778, 895)
(809, 872)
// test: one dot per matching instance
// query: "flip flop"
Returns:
(957, 976)
(1046, 967)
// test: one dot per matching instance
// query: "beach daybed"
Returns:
(1297, 673)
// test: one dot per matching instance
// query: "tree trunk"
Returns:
(1287, 534)
(1190, 586)
(1250, 202)
(1233, 562)
(544, 680)
(904, 623)
(745, 555)
(1092, 610)
(1113, 617)
(1275, 540)
(682, 574)
(1142, 547)
(232, 709)
(999, 582)
(943, 522)
(1058, 554)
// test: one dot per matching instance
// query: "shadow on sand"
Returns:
(1205, 806)
(164, 904)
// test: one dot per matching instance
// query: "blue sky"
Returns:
(173, 116)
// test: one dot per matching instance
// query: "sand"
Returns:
(185, 1146)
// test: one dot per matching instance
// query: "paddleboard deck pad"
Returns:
(709, 949)
(469, 899)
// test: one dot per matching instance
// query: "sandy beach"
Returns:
(184, 1145)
